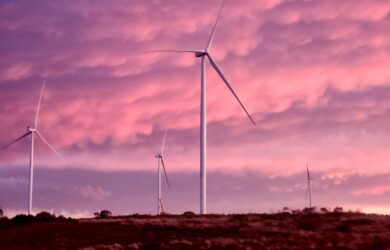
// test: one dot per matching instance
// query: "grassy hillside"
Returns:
(251, 231)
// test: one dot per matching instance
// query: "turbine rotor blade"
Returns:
(169, 50)
(17, 139)
(215, 66)
(39, 105)
(163, 142)
(215, 27)
(307, 192)
(48, 144)
(165, 172)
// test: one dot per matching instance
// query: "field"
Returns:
(241, 231)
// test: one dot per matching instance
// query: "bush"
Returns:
(45, 217)
(189, 214)
(309, 210)
(338, 210)
(103, 214)
(308, 224)
(324, 210)
(1, 212)
(22, 218)
(344, 228)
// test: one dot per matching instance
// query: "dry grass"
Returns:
(249, 231)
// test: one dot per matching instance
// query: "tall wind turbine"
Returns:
(33, 131)
(203, 54)
(160, 161)
(308, 187)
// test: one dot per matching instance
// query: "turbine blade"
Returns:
(169, 50)
(48, 144)
(165, 172)
(39, 105)
(17, 139)
(308, 173)
(163, 142)
(307, 192)
(215, 27)
(215, 66)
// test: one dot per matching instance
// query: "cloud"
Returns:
(96, 193)
(135, 192)
(313, 74)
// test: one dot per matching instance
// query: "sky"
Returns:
(313, 74)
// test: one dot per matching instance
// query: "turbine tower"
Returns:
(308, 187)
(160, 161)
(203, 54)
(33, 131)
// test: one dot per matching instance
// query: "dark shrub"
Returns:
(1, 212)
(103, 214)
(4, 222)
(189, 214)
(338, 210)
(61, 218)
(344, 228)
(324, 210)
(309, 210)
(22, 218)
(45, 217)
(296, 211)
(359, 222)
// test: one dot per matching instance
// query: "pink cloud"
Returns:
(103, 96)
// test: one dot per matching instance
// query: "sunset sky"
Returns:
(314, 75)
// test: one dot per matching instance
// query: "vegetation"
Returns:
(103, 214)
(288, 229)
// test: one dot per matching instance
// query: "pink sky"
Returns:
(314, 75)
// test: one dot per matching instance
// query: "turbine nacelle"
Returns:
(158, 155)
(30, 129)
(200, 53)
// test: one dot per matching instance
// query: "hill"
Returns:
(237, 231)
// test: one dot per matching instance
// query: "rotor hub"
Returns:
(200, 53)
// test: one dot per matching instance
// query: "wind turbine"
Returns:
(203, 54)
(160, 161)
(308, 187)
(33, 131)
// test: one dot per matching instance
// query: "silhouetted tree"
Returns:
(338, 210)
(45, 217)
(103, 214)
(22, 218)
(1, 212)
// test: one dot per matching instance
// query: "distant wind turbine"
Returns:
(33, 131)
(160, 161)
(203, 54)
(308, 187)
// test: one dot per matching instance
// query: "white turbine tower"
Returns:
(33, 131)
(308, 186)
(160, 161)
(203, 54)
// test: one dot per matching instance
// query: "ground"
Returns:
(240, 231)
